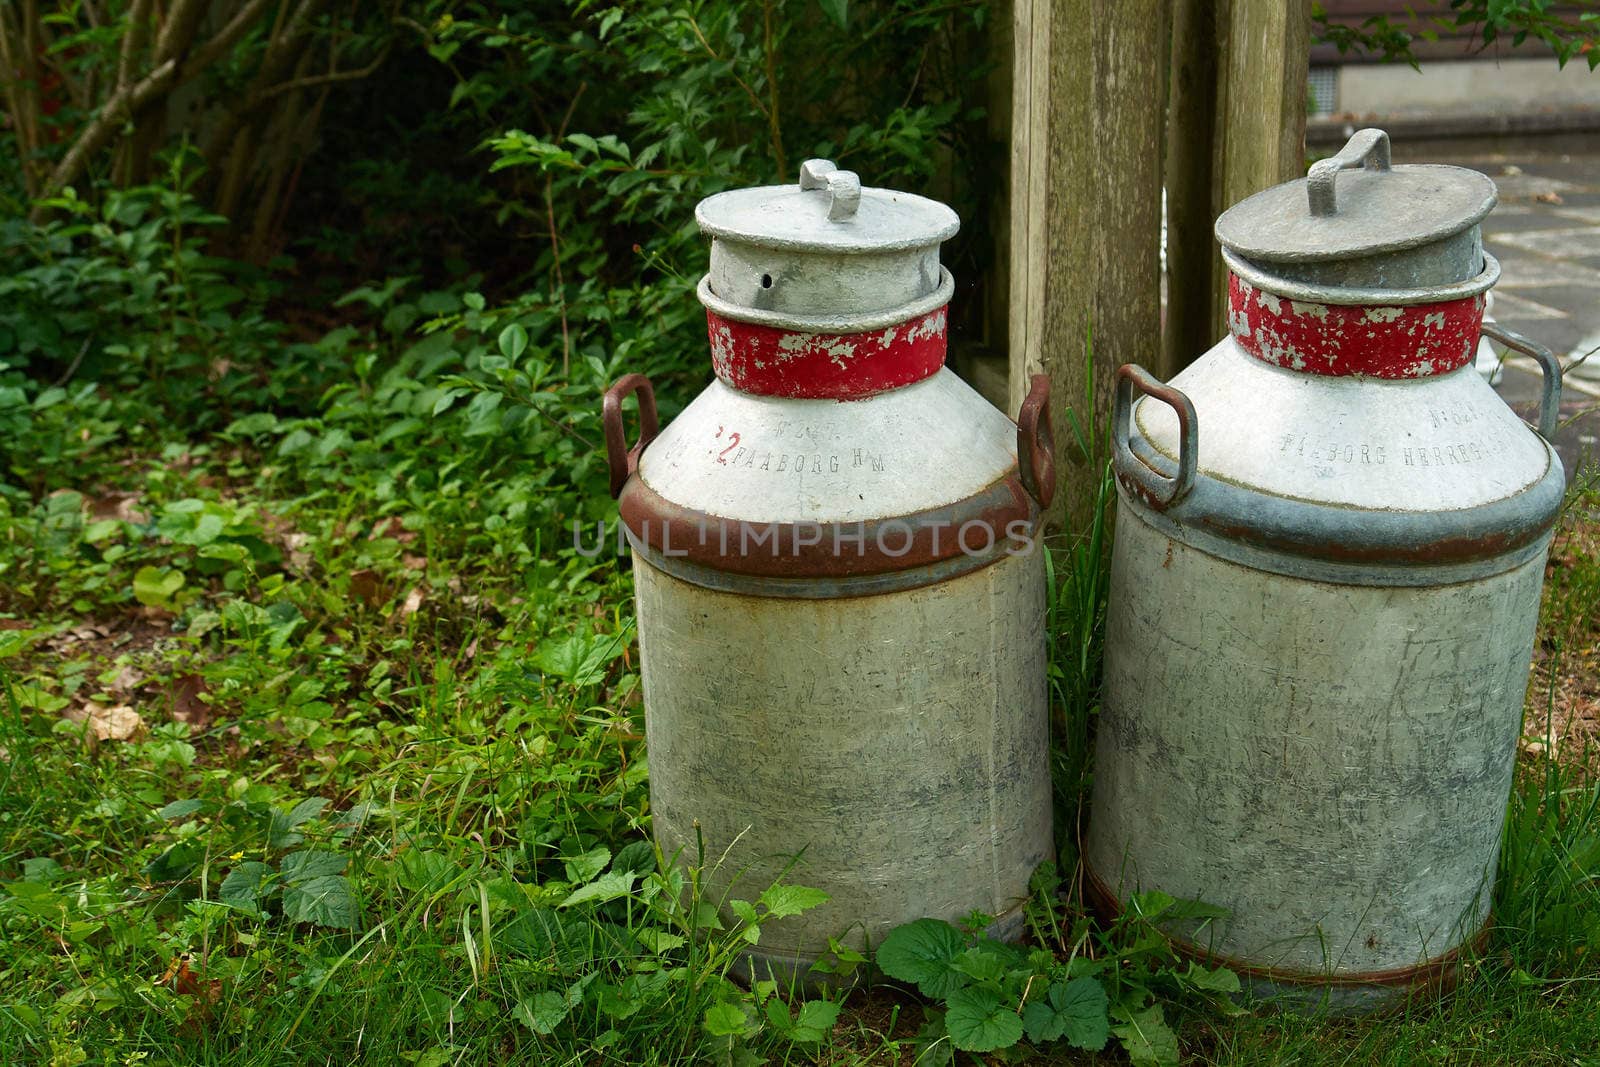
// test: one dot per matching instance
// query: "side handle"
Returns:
(1154, 489)
(1036, 444)
(1550, 400)
(622, 459)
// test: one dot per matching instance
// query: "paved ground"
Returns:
(1546, 234)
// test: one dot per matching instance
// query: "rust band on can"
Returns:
(775, 361)
(980, 527)
(1327, 542)
(1337, 340)
(1434, 975)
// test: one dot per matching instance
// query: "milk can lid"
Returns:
(1377, 208)
(828, 211)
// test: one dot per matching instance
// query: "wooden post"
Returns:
(1087, 111)
(1238, 121)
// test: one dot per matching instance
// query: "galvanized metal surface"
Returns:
(1376, 226)
(1330, 763)
(1422, 446)
(772, 459)
(892, 748)
(796, 218)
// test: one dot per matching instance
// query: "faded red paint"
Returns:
(769, 361)
(1372, 340)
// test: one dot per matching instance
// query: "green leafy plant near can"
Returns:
(1111, 982)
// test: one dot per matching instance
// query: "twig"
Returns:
(712, 52)
(77, 361)
(133, 39)
(769, 53)
(314, 80)
(555, 241)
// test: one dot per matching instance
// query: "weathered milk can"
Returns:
(1329, 549)
(840, 599)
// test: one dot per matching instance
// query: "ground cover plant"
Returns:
(321, 739)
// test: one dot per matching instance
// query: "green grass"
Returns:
(385, 798)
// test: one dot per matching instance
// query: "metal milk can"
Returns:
(1325, 583)
(840, 594)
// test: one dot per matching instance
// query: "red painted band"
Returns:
(1338, 340)
(770, 361)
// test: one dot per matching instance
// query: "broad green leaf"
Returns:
(154, 587)
(606, 887)
(725, 1019)
(181, 809)
(282, 832)
(660, 941)
(815, 1020)
(922, 952)
(636, 857)
(513, 342)
(1218, 980)
(981, 965)
(1146, 1038)
(1075, 1010)
(837, 10)
(782, 901)
(312, 863)
(543, 1012)
(587, 866)
(326, 900)
(979, 1021)
(246, 886)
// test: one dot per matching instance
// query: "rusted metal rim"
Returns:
(1437, 973)
(998, 520)
(875, 320)
(1347, 545)
(1333, 294)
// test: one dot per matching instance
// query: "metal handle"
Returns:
(622, 459)
(1036, 443)
(1154, 489)
(843, 185)
(1368, 148)
(1550, 401)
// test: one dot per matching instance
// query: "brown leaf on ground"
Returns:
(126, 680)
(392, 527)
(413, 601)
(119, 505)
(118, 722)
(414, 563)
(185, 693)
(365, 586)
(1549, 198)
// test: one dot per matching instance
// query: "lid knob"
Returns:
(844, 185)
(1368, 149)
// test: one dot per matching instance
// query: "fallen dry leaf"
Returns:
(414, 563)
(187, 706)
(116, 723)
(1549, 198)
(364, 586)
(413, 602)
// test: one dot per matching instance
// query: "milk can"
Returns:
(839, 588)
(1330, 542)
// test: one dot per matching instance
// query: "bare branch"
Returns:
(98, 133)
(313, 80)
(228, 36)
(133, 41)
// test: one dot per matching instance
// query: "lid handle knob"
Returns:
(1368, 148)
(844, 186)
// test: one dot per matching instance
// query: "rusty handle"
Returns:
(1157, 490)
(1550, 401)
(1036, 443)
(622, 459)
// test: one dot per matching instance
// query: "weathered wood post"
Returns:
(1087, 110)
(1236, 125)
